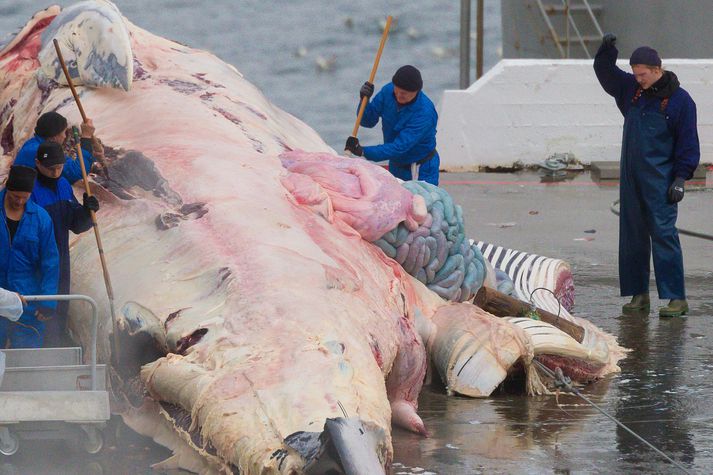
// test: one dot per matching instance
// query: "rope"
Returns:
(554, 166)
(533, 307)
(523, 272)
(554, 163)
(697, 234)
(39, 335)
(565, 383)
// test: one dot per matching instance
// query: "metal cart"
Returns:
(48, 393)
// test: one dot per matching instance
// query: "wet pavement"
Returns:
(664, 392)
(124, 453)
(665, 389)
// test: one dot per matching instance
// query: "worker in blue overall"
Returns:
(52, 127)
(408, 122)
(29, 261)
(54, 193)
(660, 151)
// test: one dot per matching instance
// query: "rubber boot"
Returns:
(639, 303)
(675, 308)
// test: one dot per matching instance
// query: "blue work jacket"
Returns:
(409, 134)
(30, 264)
(680, 111)
(72, 170)
(67, 215)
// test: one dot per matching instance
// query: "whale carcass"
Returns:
(262, 331)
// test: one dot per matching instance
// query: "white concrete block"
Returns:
(527, 110)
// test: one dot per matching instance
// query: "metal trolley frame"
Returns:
(48, 393)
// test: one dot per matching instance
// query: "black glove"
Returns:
(366, 90)
(354, 147)
(609, 40)
(90, 203)
(675, 191)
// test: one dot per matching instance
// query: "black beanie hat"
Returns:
(645, 55)
(50, 124)
(21, 178)
(50, 154)
(408, 78)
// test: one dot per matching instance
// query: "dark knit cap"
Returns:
(50, 154)
(21, 178)
(645, 55)
(408, 78)
(50, 124)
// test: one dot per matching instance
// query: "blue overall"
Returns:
(29, 265)
(648, 221)
(67, 215)
(409, 132)
(660, 143)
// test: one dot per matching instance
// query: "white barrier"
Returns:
(527, 110)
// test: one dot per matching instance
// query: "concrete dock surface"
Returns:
(664, 392)
(665, 389)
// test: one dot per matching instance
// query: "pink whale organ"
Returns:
(417, 225)
(250, 267)
(367, 198)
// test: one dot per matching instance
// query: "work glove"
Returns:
(354, 147)
(44, 313)
(675, 191)
(366, 90)
(90, 203)
(609, 40)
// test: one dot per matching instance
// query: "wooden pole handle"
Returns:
(100, 247)
(502, 305)
(372, 76)
(80, 155)
(69, 80)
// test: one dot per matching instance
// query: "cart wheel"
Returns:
(92, 440)
(9, 443)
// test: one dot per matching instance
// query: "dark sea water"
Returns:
(277, 45)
